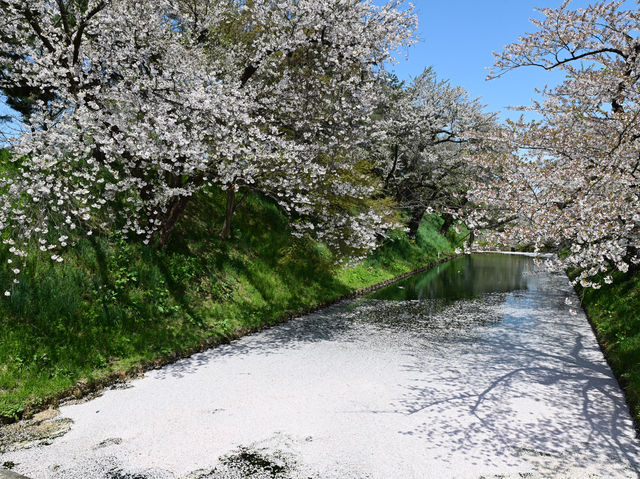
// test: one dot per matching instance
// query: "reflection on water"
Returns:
(465, 277)
(434, 319)
(452, 299)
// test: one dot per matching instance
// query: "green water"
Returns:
(466, 277)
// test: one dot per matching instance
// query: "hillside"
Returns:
(114, 307)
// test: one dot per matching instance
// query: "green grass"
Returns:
(615, 313)
(113, 306)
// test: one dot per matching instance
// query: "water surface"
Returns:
(465, 277)
(475, 369)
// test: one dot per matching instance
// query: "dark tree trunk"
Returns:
(448, 222)
(472, 238)
(228, 216)
(414, 222)
(393, 168)
(176, 208)
(633, 268)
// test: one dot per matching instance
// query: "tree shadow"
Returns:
(507, 380)
(175, 288)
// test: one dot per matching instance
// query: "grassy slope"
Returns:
(615, 313)
(113, 306)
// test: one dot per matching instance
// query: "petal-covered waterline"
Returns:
(480, 368)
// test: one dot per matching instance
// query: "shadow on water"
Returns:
(465, 277)
(445, 304)
(494, 371)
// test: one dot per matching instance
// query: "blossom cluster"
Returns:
(428, 134)
(572, 179)
(139, 105)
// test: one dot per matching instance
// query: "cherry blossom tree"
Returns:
(309, 69)
(572, 177)
(431, 130)
(139, 105)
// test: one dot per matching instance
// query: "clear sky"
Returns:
(5, 128)
(458, 38)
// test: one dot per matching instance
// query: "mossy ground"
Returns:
(113, 305)
(614, 311)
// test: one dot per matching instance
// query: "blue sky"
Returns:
(458, 38)
(4, 127)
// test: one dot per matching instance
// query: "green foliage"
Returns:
(114, 304)
(615, 312)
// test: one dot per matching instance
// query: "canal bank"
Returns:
(614, 312)
(115, 309)
(481, 369)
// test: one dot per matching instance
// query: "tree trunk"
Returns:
(472, 238)
(633, 268)
(448, 222)
(177, 207)
(414, 222)
(393, 168)
(228, 216)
